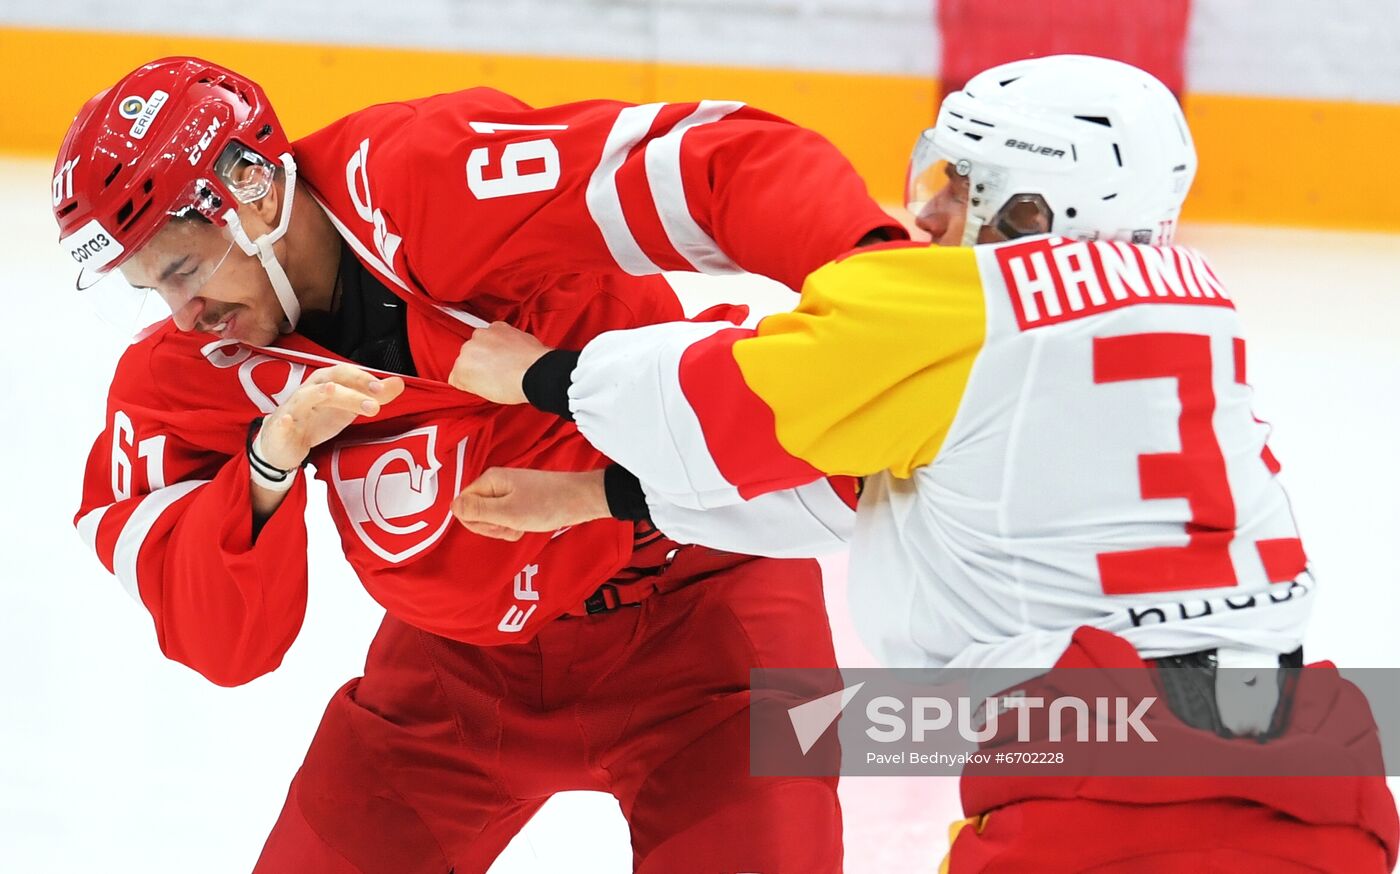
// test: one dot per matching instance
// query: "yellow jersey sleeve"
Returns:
(868, 372)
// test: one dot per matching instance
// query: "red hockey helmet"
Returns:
(154, 145)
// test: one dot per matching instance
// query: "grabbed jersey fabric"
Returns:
(1055, 433)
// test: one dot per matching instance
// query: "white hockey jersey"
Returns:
(1055, 433)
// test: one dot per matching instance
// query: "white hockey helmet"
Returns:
(1100, 149)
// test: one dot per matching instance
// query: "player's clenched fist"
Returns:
(505, 502)
(329, 400)
(493, 362)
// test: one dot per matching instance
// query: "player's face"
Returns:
(945, 215)
(209, 284)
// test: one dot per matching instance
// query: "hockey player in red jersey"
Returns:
(1052, 413)
(319, 293)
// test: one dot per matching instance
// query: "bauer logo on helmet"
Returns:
(1034, 149)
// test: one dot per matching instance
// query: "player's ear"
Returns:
(267, 207)
(270, 204)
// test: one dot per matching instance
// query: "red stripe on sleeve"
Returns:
(638, 202)
(110, 528)
(847, 488)
(739, 427)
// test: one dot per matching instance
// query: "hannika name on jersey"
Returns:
(1054, 279)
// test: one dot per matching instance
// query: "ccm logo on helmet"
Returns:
(1034, 149)
(89, 250)
(198, 151)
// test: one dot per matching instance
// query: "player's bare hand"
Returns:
(506, 502)
(322, 407)
(493, 362)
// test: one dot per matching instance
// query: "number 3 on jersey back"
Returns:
(1196, 473)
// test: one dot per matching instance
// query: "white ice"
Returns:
(114, 759)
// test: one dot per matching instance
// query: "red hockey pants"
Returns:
(1200, 825)
(438, 755)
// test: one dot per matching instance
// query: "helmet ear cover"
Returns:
(1024, 215)
(240, 171)
(247, 175)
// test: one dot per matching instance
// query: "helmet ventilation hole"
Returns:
(1071, 212)
(117, 168)
(1095, 119)
(123, 225)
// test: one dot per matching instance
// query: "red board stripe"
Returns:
(977, 34)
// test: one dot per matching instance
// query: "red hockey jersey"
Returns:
(472, 206)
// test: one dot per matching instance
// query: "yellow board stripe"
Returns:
(1308, 163)
(873, 119)
(1263, 160)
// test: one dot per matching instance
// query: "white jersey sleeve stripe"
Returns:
(663, 163)
(604, 204)
(463, 316)
(88, 524)
(138, 525)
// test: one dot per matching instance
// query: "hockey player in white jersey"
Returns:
(1052, 416)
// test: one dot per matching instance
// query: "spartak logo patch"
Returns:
(395, 490)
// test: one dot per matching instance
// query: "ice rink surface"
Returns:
(114, 759)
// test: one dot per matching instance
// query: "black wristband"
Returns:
(626, 500)
(257, 462)
(546, 383)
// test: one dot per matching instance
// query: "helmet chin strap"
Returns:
(981, 188)
(972, 229)
(262, 247)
